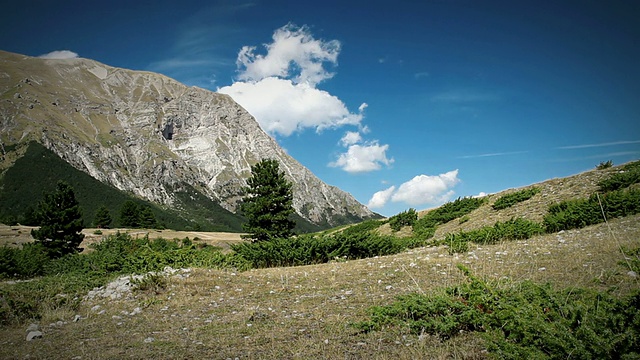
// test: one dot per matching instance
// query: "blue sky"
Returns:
(403, 104)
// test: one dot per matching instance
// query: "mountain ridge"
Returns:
(147, 134)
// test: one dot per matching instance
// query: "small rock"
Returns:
(33, 327)
(95, 308)
(34, 335)
(77, 318)
(149, 340)
(632, 274)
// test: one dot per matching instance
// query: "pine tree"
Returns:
(268, 203)
(60, 220)
(102, 219)
(130, 215)
(147, 218)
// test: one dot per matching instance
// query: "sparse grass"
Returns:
(308, 311)
(292, 311)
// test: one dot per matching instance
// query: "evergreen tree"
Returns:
(268, 203)
(147, 218)
(130, 215)
(60, 220)
(102, 219)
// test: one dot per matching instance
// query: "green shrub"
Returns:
(522, 320)
(405, 218)
(509, 200)
(316, 249)
(604, 165)
(629, 175)
(365, 226)
(425, 227)
(578, 213)
(513, 229)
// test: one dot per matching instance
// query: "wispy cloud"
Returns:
(492, 154)
(584, 146)
(599, 156)
(465, 96)
(422, 74)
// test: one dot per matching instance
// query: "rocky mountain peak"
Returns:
(148, 134)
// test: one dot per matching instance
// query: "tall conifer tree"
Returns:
(268, 203)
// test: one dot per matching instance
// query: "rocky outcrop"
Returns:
(148, 134)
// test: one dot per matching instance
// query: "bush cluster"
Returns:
(513, 229)
(523, 320)
(425, 227)
(317, 249)
(629, 175)
(578, 213)
(405, 218)
(74, 274)
(509, 200)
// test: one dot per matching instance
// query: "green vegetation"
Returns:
(577, 213)
(405, 218)
(75, 274)
(629, 175)
(514, 229)
(60, 220)
(38, 171)
(425, 227)
(604, 165)
(509, 200)
(102, 218)
(521, 320)
(268, 203)
(317, 249)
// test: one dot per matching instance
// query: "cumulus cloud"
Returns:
(380, 198)
(363, 158)
(350, 138)
(282, 106)
(293, 50)
(279, 87)
(422, 189)
(59, 54)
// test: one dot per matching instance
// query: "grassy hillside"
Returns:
(545, 294)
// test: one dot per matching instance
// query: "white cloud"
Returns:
(422, 189)
(363, 158)
(279, 87)
(380, 198)
(59, 54)
(350, 138)
(293, 49)
(427, 189)
(281, 106)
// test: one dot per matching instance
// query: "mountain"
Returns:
(151, 136)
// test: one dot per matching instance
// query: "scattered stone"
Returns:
(95, 308)
(77, 318)
(149, 340)
(632, 274)
(34, 335)
(33, 327)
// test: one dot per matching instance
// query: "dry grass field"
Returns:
(17, 235)
(306, 312)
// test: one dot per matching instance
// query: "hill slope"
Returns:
(309, 311)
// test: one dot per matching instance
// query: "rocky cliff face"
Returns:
(148, 134)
